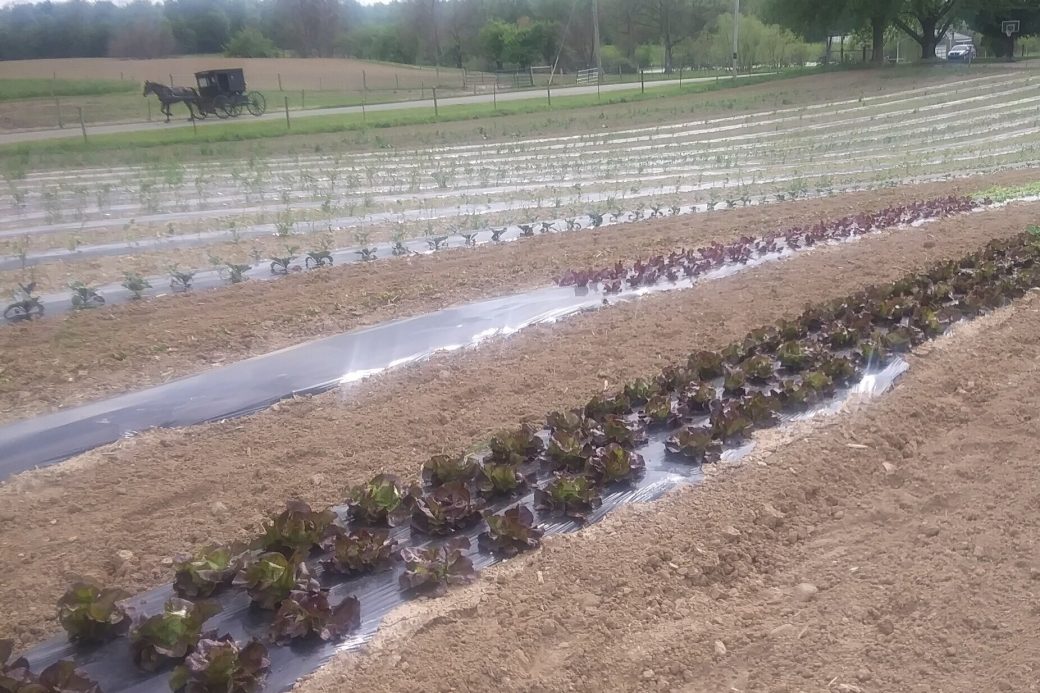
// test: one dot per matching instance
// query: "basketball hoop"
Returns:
(1010, 27)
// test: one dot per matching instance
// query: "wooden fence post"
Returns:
(548, 96)
(280, 82)
(287, 125)
(436, 110)
(57, 108)
(82, 125)
(642, 81)
(494, 94)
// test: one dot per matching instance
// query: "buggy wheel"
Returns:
(234, 109)
(256, 104)
(221, 106)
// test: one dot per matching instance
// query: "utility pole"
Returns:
(595, 41)
(736, 34)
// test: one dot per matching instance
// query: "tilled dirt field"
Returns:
(887, 549)
(54, 363)
(172, 490)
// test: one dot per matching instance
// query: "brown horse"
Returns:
(171, 95)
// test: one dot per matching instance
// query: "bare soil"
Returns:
(887, 549)
(63, 361)
(261, 73)
(169, 491)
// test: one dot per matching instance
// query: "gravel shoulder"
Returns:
(80, 357)
(890, 548)
(169, 491)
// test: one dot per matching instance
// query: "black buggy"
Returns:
(223, 93)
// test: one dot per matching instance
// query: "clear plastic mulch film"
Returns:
(254, 384)
(111, 664)
(59, 302)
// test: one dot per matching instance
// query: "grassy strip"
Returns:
(15, 89)
(1004, 193)
(241, 131)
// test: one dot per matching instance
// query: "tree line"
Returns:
(925, 21)
(495, 34)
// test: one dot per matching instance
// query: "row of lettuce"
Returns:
(28, 305)
(560, 469)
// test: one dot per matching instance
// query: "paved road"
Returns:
(274, 114)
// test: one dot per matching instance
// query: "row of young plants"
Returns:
(682, 263)
(695, 262)
(563, 469)
(28, 305)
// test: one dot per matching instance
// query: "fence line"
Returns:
(588, 77)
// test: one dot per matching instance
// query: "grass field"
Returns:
(130, 146)
(17, 89)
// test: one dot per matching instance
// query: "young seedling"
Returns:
(180, 281)
(204, 573)
(171, 635)
(236, 273)
(359, 551)
(25, 308)
(510, 532)
(91, 613)
(430, 571)
(435, 242)
(135, 284)
(85, 297)
(318, 258)
(219, 664)
(280, 265)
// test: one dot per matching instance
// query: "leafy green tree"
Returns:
(926, 22)
(495, 36)
(987, 17)
(250, 43)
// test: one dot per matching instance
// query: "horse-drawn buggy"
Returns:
(220, 92)
(223, 93)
